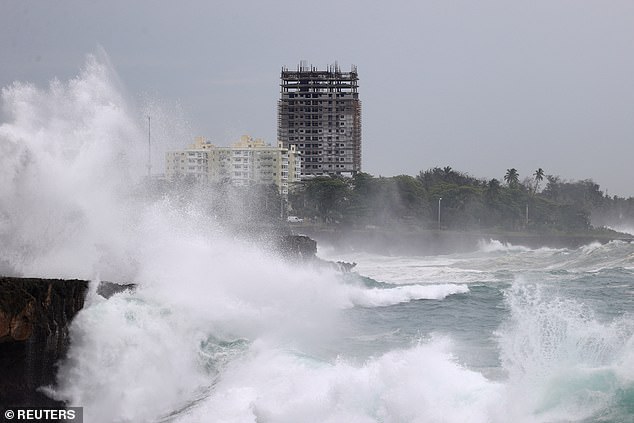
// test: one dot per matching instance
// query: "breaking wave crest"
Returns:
(563, 363)
(68, 159)
(493, 245)
(377, 297)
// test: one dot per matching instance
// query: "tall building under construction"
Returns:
(319, 112)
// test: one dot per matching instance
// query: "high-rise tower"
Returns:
(319, 112)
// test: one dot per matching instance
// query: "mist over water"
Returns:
(220, 329)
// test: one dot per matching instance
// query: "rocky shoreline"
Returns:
(34, 318)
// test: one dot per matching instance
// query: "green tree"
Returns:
(329, 197)
(539, 176)
(512, 178)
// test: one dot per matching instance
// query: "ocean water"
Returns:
(221, 331)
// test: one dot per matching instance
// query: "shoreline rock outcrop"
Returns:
(34, 318)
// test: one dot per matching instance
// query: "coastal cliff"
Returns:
(34, 319)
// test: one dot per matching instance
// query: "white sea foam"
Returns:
(418, 384)
(591, 248)
(389, 296)
(412, 270)
(131, 360)
(493, 245)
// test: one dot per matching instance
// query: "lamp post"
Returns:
(149, 149)
(439, 200)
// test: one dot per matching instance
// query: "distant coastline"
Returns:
(435, 242)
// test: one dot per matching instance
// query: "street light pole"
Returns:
(439, 200)
(149, 148)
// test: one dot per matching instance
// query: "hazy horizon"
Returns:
(479, 87)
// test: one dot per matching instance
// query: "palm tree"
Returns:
(539, 176)
(512, 178)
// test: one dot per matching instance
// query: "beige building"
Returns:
(246, 162)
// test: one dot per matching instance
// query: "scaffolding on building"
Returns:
(319, 112)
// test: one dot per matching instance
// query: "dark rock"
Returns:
(345, 266)
(108, 289)
(35, 315)
(34, 319)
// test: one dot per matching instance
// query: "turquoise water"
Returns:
(553, 327)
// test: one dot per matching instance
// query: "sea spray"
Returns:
(561, 360)
(193, 288)
(68, 156)
(422, 383)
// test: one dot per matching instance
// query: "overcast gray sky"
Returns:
(480, 86)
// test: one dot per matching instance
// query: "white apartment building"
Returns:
(246, 162)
